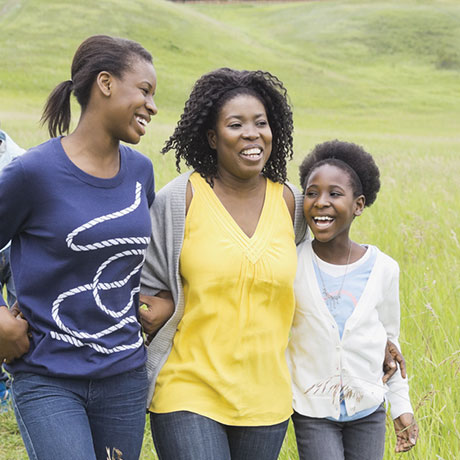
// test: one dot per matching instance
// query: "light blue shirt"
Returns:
(330, 278)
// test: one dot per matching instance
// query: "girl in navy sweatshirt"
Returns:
(77, 211)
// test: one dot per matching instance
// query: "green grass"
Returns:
(385, 74)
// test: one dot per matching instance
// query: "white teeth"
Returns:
(254, 151)
(323, 218)
(142, 121)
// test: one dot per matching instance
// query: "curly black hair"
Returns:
(353, 159)
(208, 96)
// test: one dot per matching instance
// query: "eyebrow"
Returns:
(147, 83)
(239, 117)
(330, 186)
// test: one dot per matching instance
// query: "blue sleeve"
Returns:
(143, 171)
(150, 187)
(14, 205)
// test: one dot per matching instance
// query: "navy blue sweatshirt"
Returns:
(78, 244)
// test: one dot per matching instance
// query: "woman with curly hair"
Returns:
(224, 245)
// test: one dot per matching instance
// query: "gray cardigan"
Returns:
(161, 268)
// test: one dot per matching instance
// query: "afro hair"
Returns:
(359, 165)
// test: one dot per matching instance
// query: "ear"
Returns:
(212, 138)
(359, 205)
(104, 82)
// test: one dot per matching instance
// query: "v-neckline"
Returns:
(254, 246)
(225, 212)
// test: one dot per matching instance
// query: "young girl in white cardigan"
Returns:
(347, 307)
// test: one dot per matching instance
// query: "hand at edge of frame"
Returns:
(406, 430)
(14, 339)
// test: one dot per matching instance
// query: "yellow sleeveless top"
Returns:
(228, 357)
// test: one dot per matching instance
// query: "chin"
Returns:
(323, 238)
(131, 139)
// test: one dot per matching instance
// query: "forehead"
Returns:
(140, 69)
(329, 174)
(242, 104)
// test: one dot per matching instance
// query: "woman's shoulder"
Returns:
(176, 185)
(172, 195)
(296, 198)
(39, 159)
(45, 148)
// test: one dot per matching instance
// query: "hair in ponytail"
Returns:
(57, 109)
(96, 54)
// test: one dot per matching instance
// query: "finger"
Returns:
(406, 447)
(15, 311)
(143, 306)
(413, 435)
(144, 314)
(388, 374)
(402, 366)
(390, 369)
(389, 365)
(401, 446)
(167, 295)
(396, 355)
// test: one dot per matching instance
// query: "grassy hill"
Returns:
(385, 74)
(355, 64)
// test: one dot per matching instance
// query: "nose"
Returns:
(151, 106)
(322, 200)
(251, 132)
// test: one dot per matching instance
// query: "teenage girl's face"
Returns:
(329, 205)
(132, 104)
(242, 137)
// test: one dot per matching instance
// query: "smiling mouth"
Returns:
(254, 153)
(142, 122)
(323, 221)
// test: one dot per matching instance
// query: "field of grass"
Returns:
(385, 74)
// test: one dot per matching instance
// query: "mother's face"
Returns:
(242, 137)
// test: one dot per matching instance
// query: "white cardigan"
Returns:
(319, 359)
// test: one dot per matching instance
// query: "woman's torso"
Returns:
(227, 360)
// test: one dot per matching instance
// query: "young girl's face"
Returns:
(329, 204)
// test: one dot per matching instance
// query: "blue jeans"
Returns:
(6, 277)
(323, 439)
(63, 418)
(185, 435)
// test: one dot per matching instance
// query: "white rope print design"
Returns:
(98, 220)
(75, 337)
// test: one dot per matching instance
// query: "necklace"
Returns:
(334, 299)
